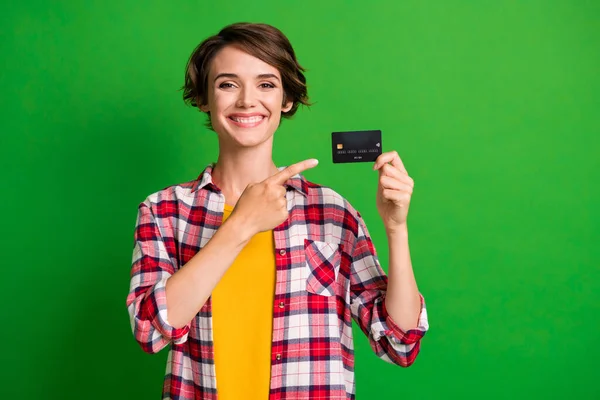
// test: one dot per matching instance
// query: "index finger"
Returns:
(282, 176)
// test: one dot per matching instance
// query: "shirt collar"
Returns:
(204, 181)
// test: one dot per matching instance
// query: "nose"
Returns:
(246, 98)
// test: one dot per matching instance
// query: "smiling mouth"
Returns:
(247, 122)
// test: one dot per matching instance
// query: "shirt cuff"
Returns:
(155, 307)
(396, 334)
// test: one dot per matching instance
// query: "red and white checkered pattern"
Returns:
(328, 274)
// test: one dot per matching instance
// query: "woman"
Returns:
(251, 274)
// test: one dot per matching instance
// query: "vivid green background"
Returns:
(492, 105)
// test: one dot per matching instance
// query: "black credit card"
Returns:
(356, 146)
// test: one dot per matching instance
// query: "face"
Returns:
(245, 97)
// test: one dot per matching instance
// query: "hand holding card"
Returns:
(394, 191)
(395, 187)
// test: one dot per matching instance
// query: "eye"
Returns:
(226, 85)
(267, 85)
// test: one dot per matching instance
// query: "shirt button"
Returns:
(278, 357)
(281, 305)
(282, 252)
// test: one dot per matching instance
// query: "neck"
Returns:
(236, 170)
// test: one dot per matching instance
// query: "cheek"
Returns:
(276, 104)
(216, 103)
(275, 118)
(220, 101)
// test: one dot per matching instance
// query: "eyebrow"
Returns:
(261, 76)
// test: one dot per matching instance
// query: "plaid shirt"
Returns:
(327, 274)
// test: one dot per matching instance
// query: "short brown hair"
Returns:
(262, 41)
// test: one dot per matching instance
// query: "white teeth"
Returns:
(251, 120)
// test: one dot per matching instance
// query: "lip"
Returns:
(246, 124)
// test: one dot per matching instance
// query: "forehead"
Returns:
(233, 60)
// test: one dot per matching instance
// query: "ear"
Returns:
(287, 106)
(202, 107)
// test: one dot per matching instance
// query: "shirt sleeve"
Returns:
(147, 301)
(368, 285)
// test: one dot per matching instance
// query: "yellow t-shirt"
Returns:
(242, 307)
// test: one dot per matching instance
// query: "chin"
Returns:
(247, 137)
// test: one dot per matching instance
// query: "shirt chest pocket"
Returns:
(323, 265)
